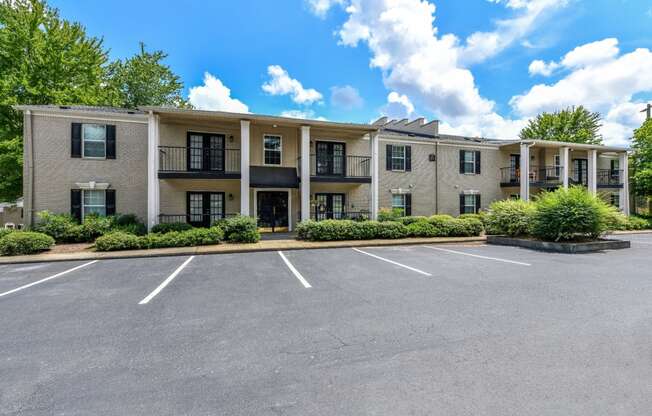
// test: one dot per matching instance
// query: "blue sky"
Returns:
(482, 67)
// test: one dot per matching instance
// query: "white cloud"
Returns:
(280, 83)
(321, 7)
(591, 53)
(302, 114)
(346, 97)
(214, 95)
(539, 67)
(398, 106)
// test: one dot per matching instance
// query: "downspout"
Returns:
(29, 186)
(437, 178)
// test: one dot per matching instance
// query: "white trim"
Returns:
(153, 191)
(100, 186)
(305, 173)
(289, 192)
(374, 188)
(245, 143)
(104, 116)
(280, 136)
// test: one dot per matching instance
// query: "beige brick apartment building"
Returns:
(169, 165)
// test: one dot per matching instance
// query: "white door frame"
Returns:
(289, 192)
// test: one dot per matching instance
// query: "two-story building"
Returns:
(179, 165)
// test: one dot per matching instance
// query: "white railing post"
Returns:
(305, 173)
(153, 201)
(373, 144)
(525, 172)
(565, 163)
(624, 191)
(592, 181)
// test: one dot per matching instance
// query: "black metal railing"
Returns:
(544, 175)
(579, 177)
(198, 159)
(199, 219)
(610, 177)
(338, 166)
(340, 215)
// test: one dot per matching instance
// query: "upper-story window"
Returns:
(94, 140)
(557, 161)
(399, 157)
(272, 146)
(469, 162)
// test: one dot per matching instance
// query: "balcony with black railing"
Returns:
(610, 178)
(198, 162)
(198, 220)
(544, 176)
(338, 168)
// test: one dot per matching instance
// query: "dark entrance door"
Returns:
(204, 208)
(273, 210)
(514, 167)
(329, 206)
(206, 152)
(580, 171)
(331, 159)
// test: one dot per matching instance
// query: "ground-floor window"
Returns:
(330, 206)
(402, 202)
(469, 203)
(204, 208)
(93, 202)
(614, 199)
(84, 202)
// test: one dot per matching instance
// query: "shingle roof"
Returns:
(87, 108)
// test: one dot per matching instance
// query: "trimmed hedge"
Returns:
(173, 226)
(512, 217)
(65, 229)
(239, 229)
(124, 241)
(24, 242)
(5, 231)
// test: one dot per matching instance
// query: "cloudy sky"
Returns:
(482, 67)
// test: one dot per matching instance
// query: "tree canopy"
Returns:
(45, 59)
(572, 125)
(641, 159)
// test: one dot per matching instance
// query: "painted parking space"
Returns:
(17, 275)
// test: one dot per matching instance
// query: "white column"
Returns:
(244, 168)
(624, 191)
(592, 171)
(373, 151)
(525, 172)
(305, 173)
(564, 159)
(153, 203)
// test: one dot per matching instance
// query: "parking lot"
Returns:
(405, 330)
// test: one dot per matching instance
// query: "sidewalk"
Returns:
(263, 245)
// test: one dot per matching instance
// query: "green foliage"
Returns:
(24, 242)
(239, 229)
(390, 230)
(58, 226)
(144, 80)
(5, 231)
(387, 214)
(424, 228)
(572, 125)
(65, 229)
(173, 226)
(410, 220)
(617, 221)
(511, 217)
(118, 240)
(569, 214)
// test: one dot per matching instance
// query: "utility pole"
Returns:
(648, 111)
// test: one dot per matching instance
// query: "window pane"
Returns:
(469, 167)
(397, 201)
(196, 152)
(94, 136)
(272, 143)
(469, 157)
(217, 205)
(398, 157)
(94, 202)
(272, 146)
(94, 149)
(196, 207)
(96, 132)
(469, 204)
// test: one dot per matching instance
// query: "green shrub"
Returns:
(638, 223)
(511, 217)
(327, 230)
(411, 220)
(118, 240)
(128, 223)
(569, 214)
(24, 242)
(390, 230)
(93, 227)
(57, 226)
(465, 227)
(389, 214)
(5, 231)
(239, 229)
(173, 226)
(424, 228)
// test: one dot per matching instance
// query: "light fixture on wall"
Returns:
(230, 197)
(231, 138)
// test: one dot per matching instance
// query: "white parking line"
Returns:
(478, 256)
(47, 278)
(166, 282)
(393, 262)
(294, 271)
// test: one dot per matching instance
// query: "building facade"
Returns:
(172, 165)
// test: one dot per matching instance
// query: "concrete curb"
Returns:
(559, 247)
(268, 245)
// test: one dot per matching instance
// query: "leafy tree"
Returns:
(641, 161)
(144, 80)
(43, 60)
(572, 125)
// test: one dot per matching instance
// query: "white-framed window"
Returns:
(556, 160)
(398, 157)
(469, 161)
(399, 201)
(93, 202)
(470, 206)
(272, 149)
(614, 199)
(94, 141)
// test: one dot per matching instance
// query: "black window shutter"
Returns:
(110, 202)
(75, 140)
(408, 158)
(477, 163)
(461, 204)
(408, 205)
(462, 161)
(477, 203)
(388, 157)
(76, 204)
(110, 142)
